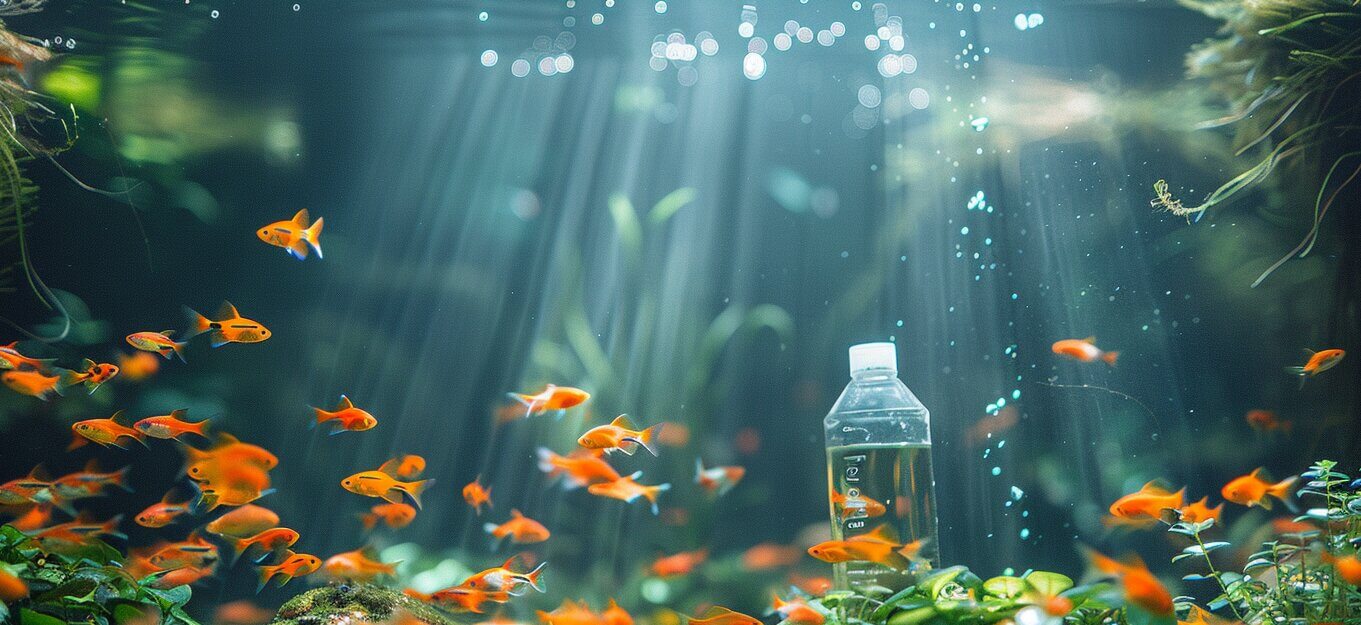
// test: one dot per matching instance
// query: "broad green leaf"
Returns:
(626, 225)
(29, 617)
(1005, 586)
(912, 617)
(1049, 584)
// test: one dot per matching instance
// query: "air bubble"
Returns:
(488, 58)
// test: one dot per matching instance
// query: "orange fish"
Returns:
(1318, 363)
(137, 366)
(1251, 490)
(11, 359)
(1267, 421)
(181, 576)
(797, 612)
(89, 482)
(293, 565)
(815, 586)
(627, 489)
(67, 538)
(229, 327)
(394, 515)
(275, 540)
(717, 480)
(92, 374)
(466, 599)
(581, 468)
(859, 506)
(521, 529)
(347, 417)
(379, 483)
(163, 513)
(32, 488)
(719, 615)
(171, 426)
(234, 483)
(243, 522)
(359, 565)
(551, 398)
(1149, 501)
(476, 495)
(619, 435)
(1200, 511)
(242, 612)
(1348, 567)
(679, 564)
(294, 235)
(408, 467)
(569, 613)
(31, 383)
(227, 449)
(105, 432)
(747, 441)
(879, 546)
(1141, 587)
(192, 551)
(1084, 350)
(766, 556)
(615, 615)
(12, 588)
(999, 423)
(159, 342)
(674, 435)
(34, 518)
(1287, 525)
(503, 578)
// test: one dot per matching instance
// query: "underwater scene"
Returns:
(660, 312)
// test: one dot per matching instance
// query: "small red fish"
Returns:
(476, 495)
(32, 488)
(504, 578)
(242, 612)
(394, 515)
(719, 615)
(106, 432)
(858, 506)
(32, 383)
(1148, 502)
(11, 359)
(12, 588)
(275, 540)
(294, 235)
(879, 546)
(569, 613)
(1267, 421)
(159, 342)
(1348, 567)
(581, 468)
(171, 426)
(36, 517)
(678, 564)
(293, 565)
(229, 327)
(347, 417)
(551, 398)
(164, 512)
(521, 529)
(474, 601)
(615, 615)
(797, 612)
(717, 480)
(408, 467)
(1084, 350)
(91, 374)
(1318, 363)
(89, 482)
(766, 556)
(1251, 490)
(627, 489)
(619, 435)
(172, 578)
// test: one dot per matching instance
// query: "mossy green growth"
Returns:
(369, 602)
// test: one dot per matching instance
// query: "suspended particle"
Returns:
(805, 34)
(918, 98)
(753, 66)
(597, 19)
(909, 63)
(979, 124)
(660, 7)
(757, 45)
(871, 43)
(482, 17)
(826, 38)
(564, 63)
(869, 96)
(547, 67)
(520, 68)
(214, 14)
(783, 42)
(488, 58)
(838, 29)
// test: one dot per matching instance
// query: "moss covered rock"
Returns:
(358, 602)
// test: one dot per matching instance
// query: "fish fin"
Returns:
(301, 218)
(339, 430)
(628, 450)
(120, 479)
(622, 421)
(266, 572)
(1110, 357)
(414, 490)
(883, 533)
(546, 457)
(533, 577)
(699, 472)
(714, 611)
(198, 324)
(312, 236)
(178, 349)
(66, 378)
(390, 467)
(297, 249)
(1091, 339)
(322, 416)
(635, 475)
(646, 437)
(77, 441)
(227, 311)
(652, 494)
(345, 404)
(218, 339)
(1281, 490)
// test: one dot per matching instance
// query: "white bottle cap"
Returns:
(866, 356)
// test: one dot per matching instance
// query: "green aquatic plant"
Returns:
(1288, 69)
(357, 602)
(88, 586)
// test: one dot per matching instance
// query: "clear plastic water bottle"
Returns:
(879, 465)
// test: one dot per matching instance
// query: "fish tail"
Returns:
(200, 428)
(322, 417)
(266, 572)
(414, 490)
(1110, 357)
(198, 324)
(652, 493)
(546, 458)
(120, 478)
(312, 235)
(646, 437)
(1281, 490)
(533, 577)
(524, 400)
(67, 378)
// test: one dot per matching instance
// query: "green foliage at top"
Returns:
(1288, 68)
(89, 586)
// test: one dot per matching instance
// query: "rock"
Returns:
(355, 603)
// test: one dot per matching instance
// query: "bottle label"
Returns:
(853, 469)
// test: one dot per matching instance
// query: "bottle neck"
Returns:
(873, 375)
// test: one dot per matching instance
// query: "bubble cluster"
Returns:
(549, 55)
(1030, 21)
(675, 51)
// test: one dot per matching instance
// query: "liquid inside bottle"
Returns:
(879, 467)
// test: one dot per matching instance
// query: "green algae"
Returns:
(361, 602)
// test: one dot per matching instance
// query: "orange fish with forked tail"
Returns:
(295, 235)
(678, 564)
(229, 327)
(105, 432)
(381, 483)
(171, 426)
(719, 615)
(627, 489)
(477, 495)
(346, 416)
(1318, 362)
(880, 546)
(581, 468)
(1141, 587)
(11, 359)
(551, 398)
(91, 374)
(619, 435)
(1251, 490)
(32, 383)
(1148, 502)
(159, 342)
(797, 612)
(293, 565)
(521, 529)
(394, 515)
(1084, 350)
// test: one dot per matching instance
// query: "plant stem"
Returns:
(1215, 574)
